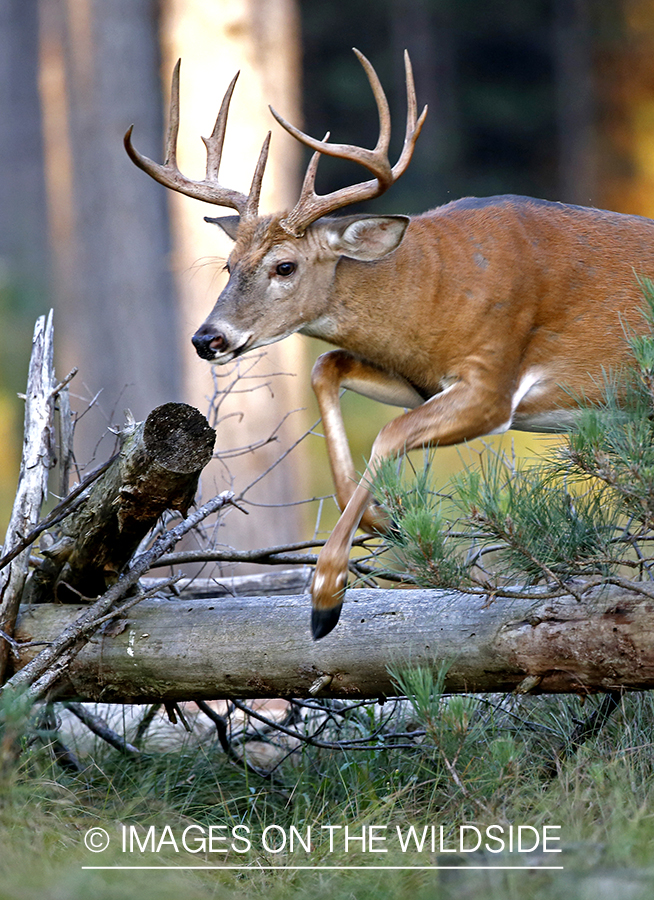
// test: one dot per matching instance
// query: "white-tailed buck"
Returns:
(478, 316)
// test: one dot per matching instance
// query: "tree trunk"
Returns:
(624, 75)
(262, 647)
(22, 188)
(115, 311)
(575, 91)
(32, 480)
(215, 41)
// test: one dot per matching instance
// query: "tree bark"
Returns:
(180, 649)
(214, 41)
(23, 252)
(158, 468)
(114, 296)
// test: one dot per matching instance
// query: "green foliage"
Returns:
(16, 726)
(419, 538)
(614, 442)
(506, 521)
(543, 529)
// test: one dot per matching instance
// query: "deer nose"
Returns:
(208, 342)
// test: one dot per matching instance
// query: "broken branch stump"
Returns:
(33, 477)
(157, 468)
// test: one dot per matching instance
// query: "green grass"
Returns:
(476, 761)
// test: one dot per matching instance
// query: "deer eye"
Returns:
(285, 269)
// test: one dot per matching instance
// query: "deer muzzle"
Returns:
(220, 344)
(209, 343)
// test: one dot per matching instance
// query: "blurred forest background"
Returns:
(550, 98)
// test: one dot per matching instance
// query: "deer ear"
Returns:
(365, 237)
(229, 224)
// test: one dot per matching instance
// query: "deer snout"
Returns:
(208, 342)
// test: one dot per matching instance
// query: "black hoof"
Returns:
(323, 620)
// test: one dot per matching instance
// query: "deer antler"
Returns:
(312, 206)
(209, 190)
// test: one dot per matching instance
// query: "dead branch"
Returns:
(58, 514)
(52, 662)
(99, 727)
(33, 477)
(269, 584)
(157, 468)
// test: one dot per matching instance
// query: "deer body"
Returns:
(479, 316)
(504, 290)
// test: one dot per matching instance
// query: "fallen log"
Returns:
(255, 647)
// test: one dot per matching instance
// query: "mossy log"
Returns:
(252, 647)
(157, 468)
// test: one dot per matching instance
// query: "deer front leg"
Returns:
(463, 411)
(339, 369)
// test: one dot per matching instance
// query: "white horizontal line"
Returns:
(287, 868)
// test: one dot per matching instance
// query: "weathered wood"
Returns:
(262, 647)
(41, 673)
(33, 477)
(265, 584)
(158, 467)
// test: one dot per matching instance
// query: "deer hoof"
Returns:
(324, 620)
(327, 594)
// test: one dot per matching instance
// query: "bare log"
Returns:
(174, 650)
(158, 467)
(266, 584)
(33, 476)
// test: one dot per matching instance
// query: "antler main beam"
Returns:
(209, 190)
(312, 206)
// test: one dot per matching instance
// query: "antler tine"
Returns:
(214, 143)
(376, 161)
(252, 205)
(209, 190)
(312, 206)
(384, 140)
(308, 190)
(413, 124)
(173, 119)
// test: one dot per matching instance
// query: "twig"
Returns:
(175, 715)
(354, 744)
(278, 555)
(48, 728)
(591, 727)
(98, 726)
(62, 384)
(39, 674)
(145, 723)
(281, 457)
(66, 437)
(55, 516)
(222, 731)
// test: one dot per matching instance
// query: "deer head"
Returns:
(282, 266)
